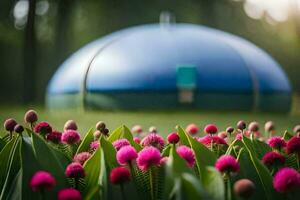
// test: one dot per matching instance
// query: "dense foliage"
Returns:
(39, 162)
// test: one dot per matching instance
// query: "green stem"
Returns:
(151, 183)
(123, 192)
(76, 183)
(228, 187)
(298, 160)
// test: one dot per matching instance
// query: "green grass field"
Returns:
(164, 121)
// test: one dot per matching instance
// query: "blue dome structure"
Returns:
(170, 66)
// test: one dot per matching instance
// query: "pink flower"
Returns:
(137, 140)
(239, 136)
(147, 157)
(208, 139)
(293, 145)
(173, 138)
(42, 180)
(227, 164)
(43, 128)
(273, 159)
(126, 155)
(286, 179)
(75, 170)
(222, 134)
(10, 124)
(210, 129)
(119, 175)
(70, 137)
(81, 157)
(154, 140)
(94, 145)
(69, 194)
(137, 129)
(54, 136)
(253, 127)
(276, 142)
(192, 129)
(187, 154)
(163, 160)
(118, 144)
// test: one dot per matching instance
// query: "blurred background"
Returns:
(36, 36)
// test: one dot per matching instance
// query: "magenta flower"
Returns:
(137, 140)
(227, 164)
(137, 129)
(187, 154)
(239, 136)
(286, 179)
(276, 142)
(10, 124)
(293, 145)
(41, 181)
(82, 157)
(118, 144)
(210, 129)
(43, 128)
(69, 194)
(95, 145)
(147, 157)
(208, 139)
(75, 170)
(119, 175)
(173, 138)
(192, 129)
(126, 155)
(154, 140)
(70, 137)
(273, 159)
(54, 136)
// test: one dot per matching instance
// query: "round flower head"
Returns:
(276, 142)
(239, 136)
(152, 129)
(296, 129)
(10, 124)
(210, 129)
(253, 127)
(105, 131)
(30, 117)
(192, 129)
(273, 159)
(42, 181)
(54, 136)
(81, 157)
(229, 129)
(137, 140)
(269, 126)
(97, 134)
(70, 125)
(119, 175)
(208, 139)
(43, 128)
(94, 145)
(118, 144)
(100, 126)
(70, 137)
(69, 194)
(293, 145)
(173, 138)
(222, 134)
(187, 154)
(241, 125)
(153, 139)
(163, 160)
(227, 164)
(19, 128)
(147, 157)
(244, 188)
(126, 155)
(137, 129)
(75, 170)
(286, 179)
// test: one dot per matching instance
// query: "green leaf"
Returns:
(204, 157)
(263, 173)
(233, 148)
(92, 167)
(214, 184)
(261, 148)
(109, 153)
(191, 188)
(124, 132)
(287, 135)
(2, 144)
(85, 143)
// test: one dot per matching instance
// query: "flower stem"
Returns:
(298, 160)
(123, 192)
(151, 183)
(228, 184)
(76, 183)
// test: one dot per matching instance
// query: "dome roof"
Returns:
(165, 59)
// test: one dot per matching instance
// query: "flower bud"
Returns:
(241, 125)
(70, 125)
(253, 127)
(10, 124)
(244, 188)
(30, 117)
(19, 129)
(100, 126)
